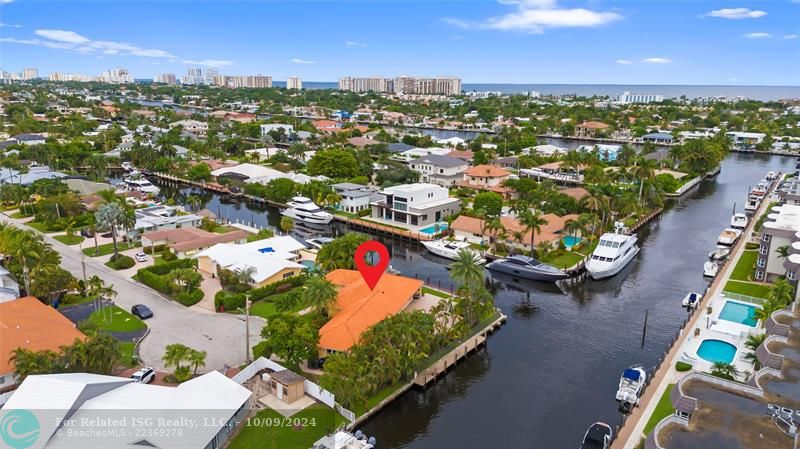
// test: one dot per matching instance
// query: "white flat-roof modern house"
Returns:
(287, 129)
(194, 127)
(156, 218)
(415, 204)
(90, 410)
(273, 259)
(355, 197)
(437, 169)
(744, 141)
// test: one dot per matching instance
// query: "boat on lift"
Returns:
(710, 269)
(691, 300)
(739, 221)
(720, 253)
(598, 436)
(729, 236)
(631, 386)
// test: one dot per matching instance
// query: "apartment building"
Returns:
(409, 85)
(294, 82)
(246, 81)
(30, 74)
(629, 98)
(371, 84)
(165, 78)
(781, 229)
(416, 204)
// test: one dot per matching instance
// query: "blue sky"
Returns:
(513, 41)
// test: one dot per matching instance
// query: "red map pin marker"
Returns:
(372, 273)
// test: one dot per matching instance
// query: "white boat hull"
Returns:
(441, 252)
(312, 219)
(611, 270)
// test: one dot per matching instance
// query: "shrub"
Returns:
(259, 350)
(121, 262)
(154, 281)
(165, 268)
(191, 298)
(365, 213)
(271, 289)
(751, 245)
(228, 301)
(168, 256)
(182, 374)
(683, 366)
(153, 249)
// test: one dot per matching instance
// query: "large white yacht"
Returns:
(140, 184)
(449, 249)
(303, 209)
(613, 252)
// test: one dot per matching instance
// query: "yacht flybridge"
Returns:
(614, 251)
(304, 210)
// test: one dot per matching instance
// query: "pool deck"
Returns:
(632, 432)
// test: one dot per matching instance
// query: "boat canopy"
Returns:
(631, 374)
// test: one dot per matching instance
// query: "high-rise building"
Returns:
(371, 84)
(61, 76)
(210, 76)
(247, 81)
(193, 75)
(117, 75)
(166, 78)
(294, 82)
(403, 84)
(627, 98)
(30, 74)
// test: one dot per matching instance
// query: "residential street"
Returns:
(220, 335)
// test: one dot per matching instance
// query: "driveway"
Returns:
(222, 336)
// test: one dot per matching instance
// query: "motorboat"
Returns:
(392, 270)
(345, 440)
(739, 221)
(140, 184)
(691, 300)
(128, 167)
(710, 269)
(319, 242)
(728, 236)
(525, 267)
(721, 253)
(614, 251)
(761, 188)
(598, 436)
(304, 210)
(631, 386)
(771, 176)
(449, 249)
(753, 201)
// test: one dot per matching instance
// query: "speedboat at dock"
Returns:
(739, 221)
(598, 436)
(691, 300)
(729, 236)
(719, 253)
(525, 267)
(631, 386)
(710, 269)
(449, 249)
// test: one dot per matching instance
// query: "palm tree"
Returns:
(645, 173)
(724, 370)
(781, 293)
(108, 217)
(320, 294)
(286, 224)
(245, 274)
(175, 354)
(752, 343)
(543, 249)
(194, 202)
(196, 359)
(466, 270)
(533, 223)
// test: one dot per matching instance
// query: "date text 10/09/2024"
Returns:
(280, 422)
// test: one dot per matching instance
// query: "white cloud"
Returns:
(736, 13)
(534, 16)
(355, 44)
(757, 36)
(5, 2)
(302, 61)
(9, 25)
(789, 37)
(70, 40)
(657, 60)
(70, 37)
(624, 61)
(208, 62)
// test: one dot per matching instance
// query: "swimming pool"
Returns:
(716, 351)
(738, 312)
(432, 229)
(308, 264)
(571, 240)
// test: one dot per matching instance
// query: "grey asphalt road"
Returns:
(222, 336)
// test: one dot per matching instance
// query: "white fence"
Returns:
(310, 388)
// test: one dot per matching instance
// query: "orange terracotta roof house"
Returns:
(590, 129)
(359, 308)
(487, 171)
(28, 323)
(185, 240)
(578, 193)
(487, 177)
(470, 229)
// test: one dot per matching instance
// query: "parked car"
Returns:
(141, 311)
(86, 232)
(141, 257)
(145, 375)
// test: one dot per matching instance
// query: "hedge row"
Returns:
(189, 299)
(122, 262)
(231, 300)
(154, 281)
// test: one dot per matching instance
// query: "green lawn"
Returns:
(270, 430)
(568, 259)
(435, 292)
(121, 320)
(69, 239)
(39, 226)
(743, 268)
(376, 399)
(126, 353)
(18, 215)
(263, 309)
(108, 248)
(744, 288)
(663, 409)
(221, 229)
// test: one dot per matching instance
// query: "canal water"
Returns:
(553, 369)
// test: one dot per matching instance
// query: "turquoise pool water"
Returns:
(571, 240)
(432, 229)
(739, 313)
(309, 264)
(716, 351)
